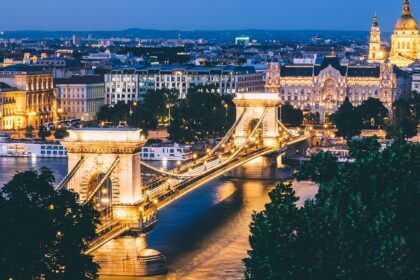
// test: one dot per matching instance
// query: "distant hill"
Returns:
(223, 35)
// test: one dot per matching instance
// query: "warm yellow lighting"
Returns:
(195, 156)
(155, 201)
(208, 150)
(104, 191)
(51, 207)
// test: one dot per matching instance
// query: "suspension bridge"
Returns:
(105, 169)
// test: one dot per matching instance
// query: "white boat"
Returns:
(21, 148)
(169, 152)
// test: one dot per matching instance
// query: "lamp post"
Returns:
(168, 106)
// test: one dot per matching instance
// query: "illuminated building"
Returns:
(33, 94)
(322, 88)
(130, 84)
(12, 108)
(377, 53)
(80, 97)
(405, 41)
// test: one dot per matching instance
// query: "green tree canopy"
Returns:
(44, 132)
(60, 133)
(372, 112)
(29, 131)
(44, 232)
(347, 120)
(364, 222)
(406, 116)
(291, 116)
(203, 114)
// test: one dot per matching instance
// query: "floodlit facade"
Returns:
(323, 88)
(405, 41)
(28, 98)
(80, 97)
(131, 84)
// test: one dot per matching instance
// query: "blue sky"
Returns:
(199, 14)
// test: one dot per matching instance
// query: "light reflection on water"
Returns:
(205, 234)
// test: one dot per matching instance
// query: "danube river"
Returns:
(205, 234)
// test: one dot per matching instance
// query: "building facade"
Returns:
(12, 108)
(39, 94)
(80, 97)
(130, 84)
(322, 88)
(405, 41)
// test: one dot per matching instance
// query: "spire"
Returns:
(406, 10)
(375, 21)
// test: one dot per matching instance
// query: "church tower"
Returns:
(375, 53)
(405, 42)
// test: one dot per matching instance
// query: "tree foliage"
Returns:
(291, 116)
(364, 222)
(347, 120)
(44, 231)
(29, 131)
(60, 133)
(406, 116)
(201, 115)
(44, 132)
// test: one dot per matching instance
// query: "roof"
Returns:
(80, 80)
(24, 68)
(314, 70)
(185, 68)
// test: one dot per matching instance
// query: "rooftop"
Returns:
(78, 80)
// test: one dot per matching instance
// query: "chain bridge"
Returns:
(105, 169)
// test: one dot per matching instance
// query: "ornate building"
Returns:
(377, 52)
(322, 88)
(29, 98)
(405, 41)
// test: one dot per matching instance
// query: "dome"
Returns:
(406, 22)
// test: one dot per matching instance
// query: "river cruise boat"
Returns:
(30, 148)
(166, 152)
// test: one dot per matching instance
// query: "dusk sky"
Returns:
(199, 14)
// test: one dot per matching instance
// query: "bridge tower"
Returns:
(257, 108)
(104, 168)
(111, 155)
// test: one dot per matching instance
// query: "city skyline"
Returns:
(202, 15)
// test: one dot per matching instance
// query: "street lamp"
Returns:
(168, 106)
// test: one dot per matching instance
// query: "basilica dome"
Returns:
(406, 22)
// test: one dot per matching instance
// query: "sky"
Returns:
(85, 15)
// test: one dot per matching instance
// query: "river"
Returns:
(205, 234)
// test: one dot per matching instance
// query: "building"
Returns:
(12, 108)
(80, 97)
(415, 85)
(321, 88)
(405, 41)
(35, 86)
(377, 53)
(128, 84)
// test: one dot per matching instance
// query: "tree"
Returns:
(290, 115)
(363, 224)
(279, 222)
(44, 231)
(347, 120)
(60, 133)
(29, 131)
(201, 115)
(44, 132)
(406, 116)
(372, 113)
(363, 147)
